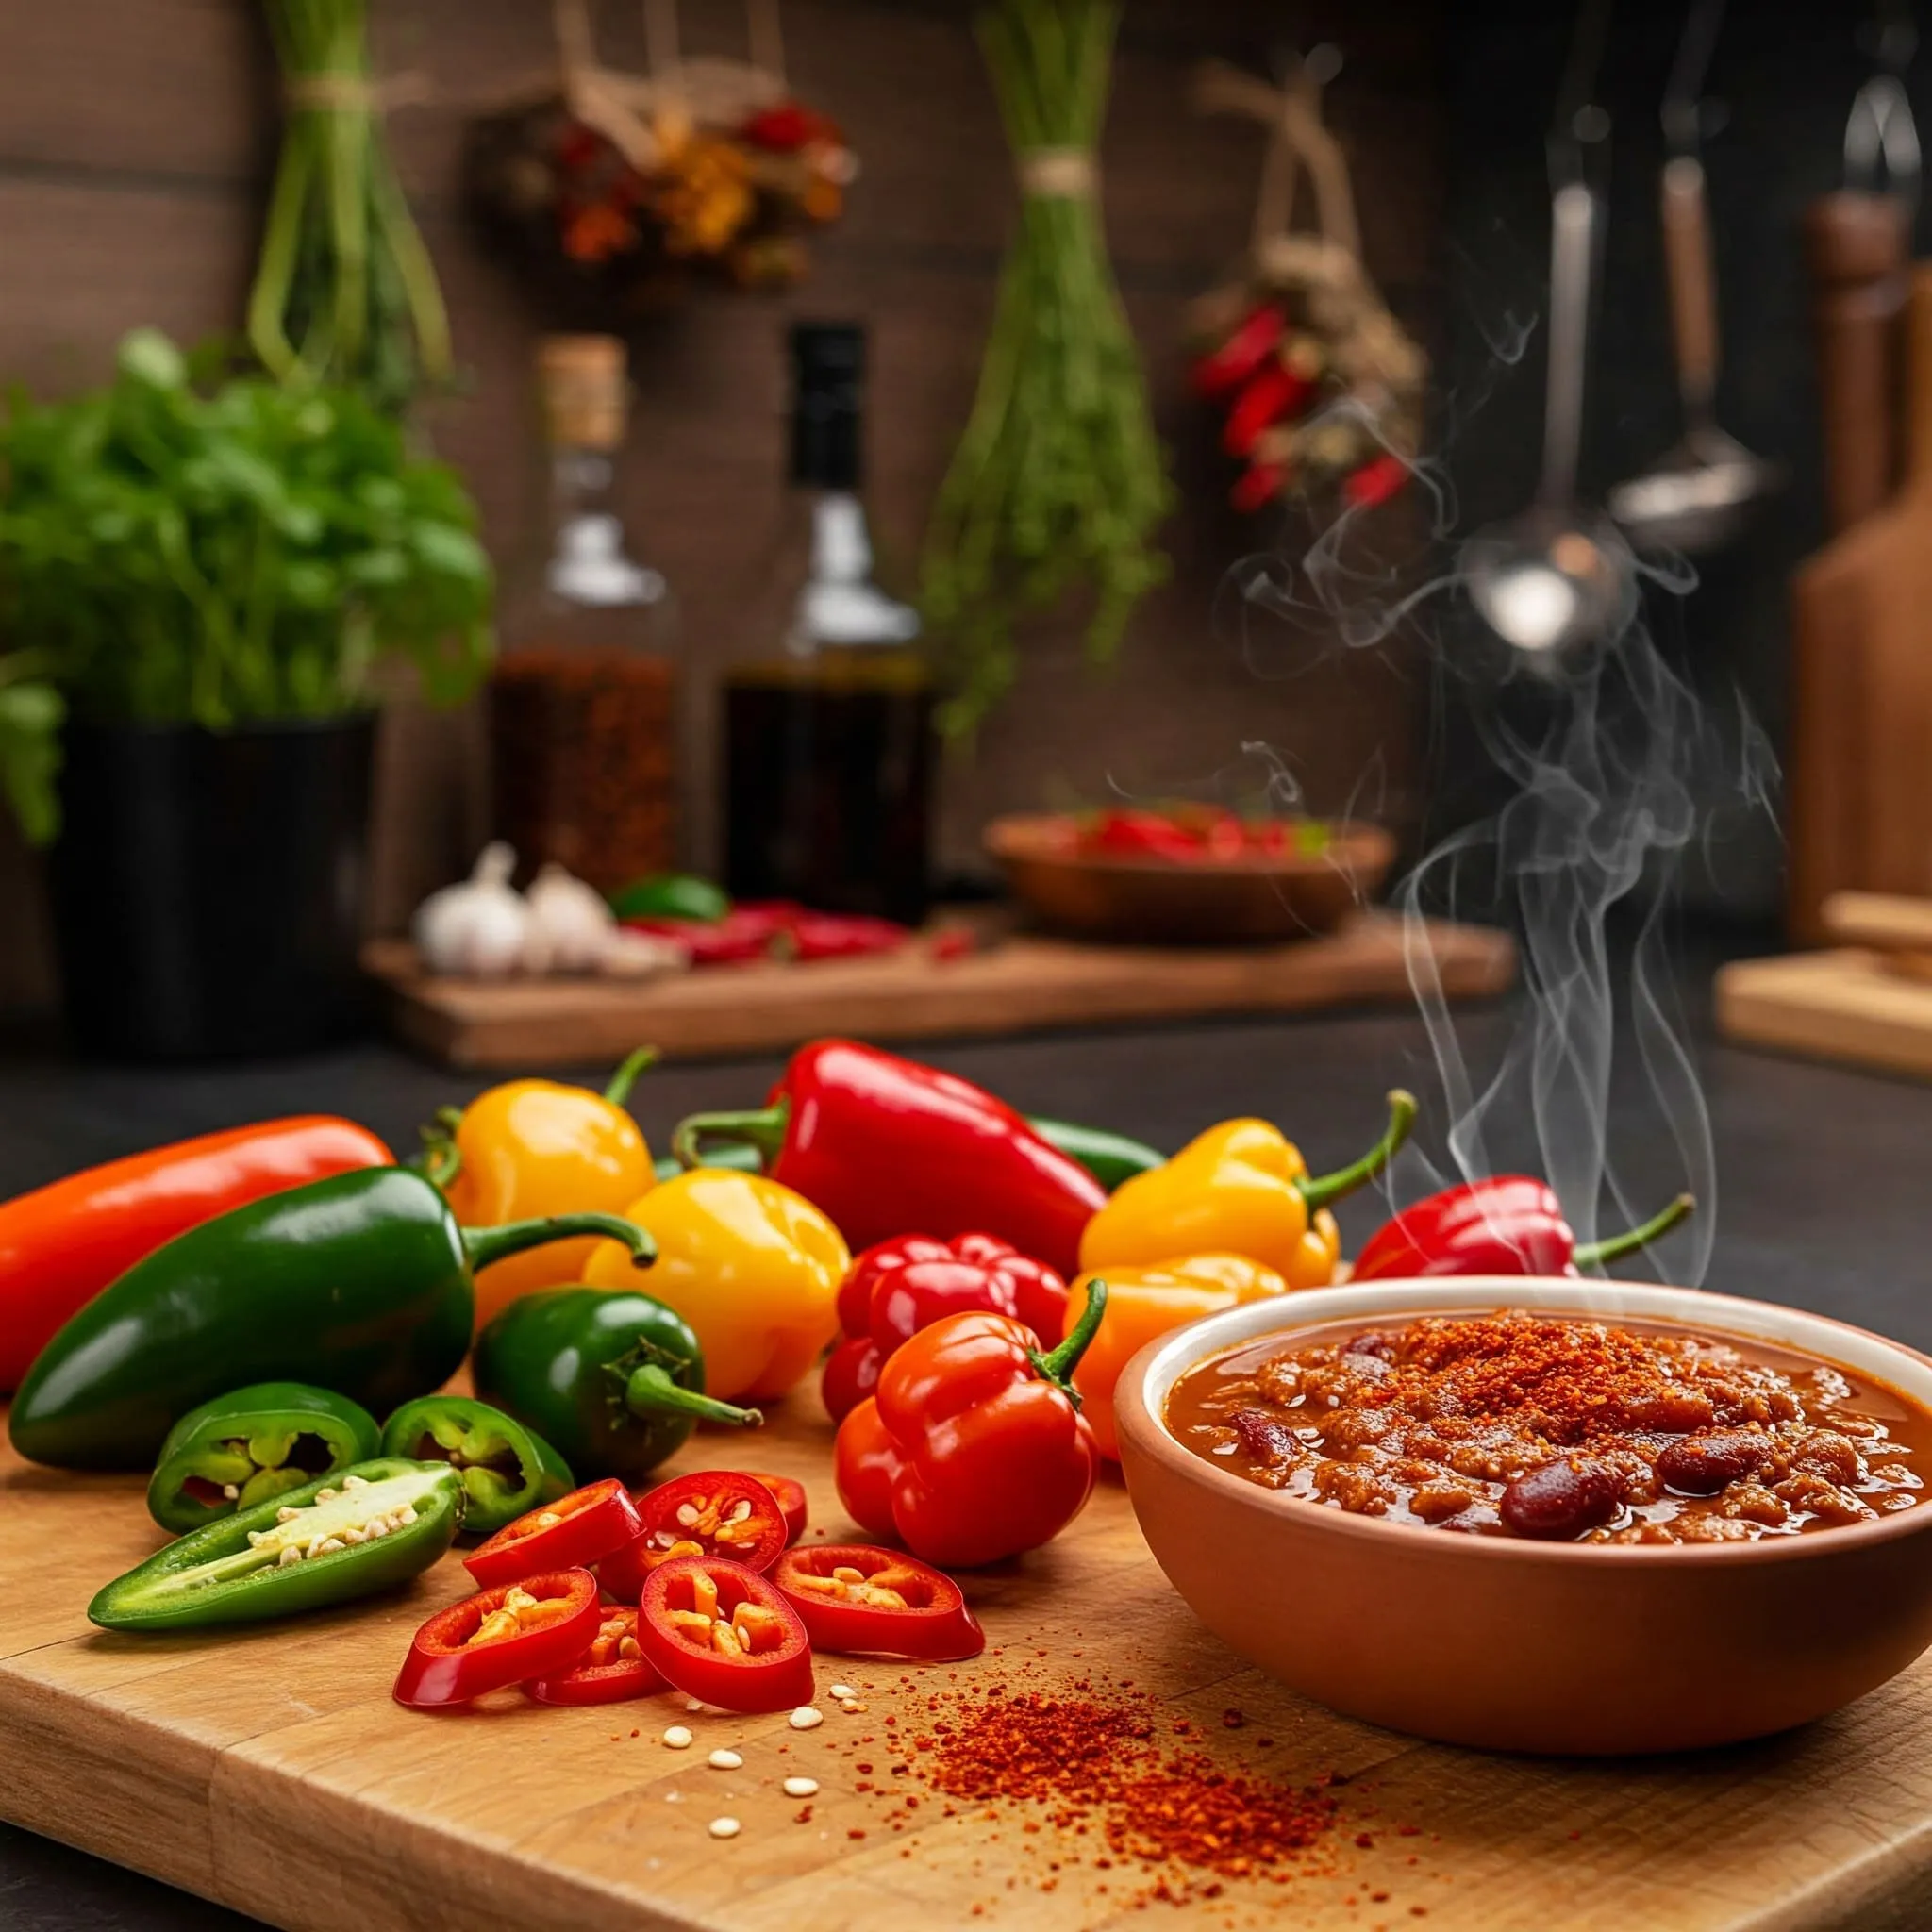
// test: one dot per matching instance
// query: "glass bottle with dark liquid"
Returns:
(828, 743)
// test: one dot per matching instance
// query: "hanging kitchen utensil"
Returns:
(1559, 577)
(1699, 494)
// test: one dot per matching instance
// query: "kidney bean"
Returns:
(1266, 1437)
(1702, 1465)
(1560, 1499)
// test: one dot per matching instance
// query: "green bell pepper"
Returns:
(505, 1467)
(671, 895)
(252, 1445)
(361, 1283)
(340, 1536)
(613, 1378)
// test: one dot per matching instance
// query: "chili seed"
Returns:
(724, 1827)
(677, 1738)
(800, 1787)
(841, 1692)
(725, 1760)
(807, 1717)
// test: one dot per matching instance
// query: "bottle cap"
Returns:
(829, 374)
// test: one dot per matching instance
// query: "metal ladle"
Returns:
(1558, 576)
(1697, 495)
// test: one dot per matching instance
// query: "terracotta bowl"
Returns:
(1158, 902)
(1523, 1646)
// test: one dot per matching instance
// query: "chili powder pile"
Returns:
(1089, 1760)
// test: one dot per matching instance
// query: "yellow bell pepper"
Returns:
(1238, 1189)
(1144, 1303)
(752, 1266)
(535, 1147)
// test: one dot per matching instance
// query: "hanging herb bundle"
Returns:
(1058, 480)
(344, 292)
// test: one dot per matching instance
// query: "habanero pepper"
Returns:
(506, 1468)
(751, 1264)
(884, 1145)
(864, 1601)
(718, 1631)
(531, 1147)
(252, 1445)
(1510, 1225)
(356, 1531)
(531, 1628)
(63, 1243)
(614, 1381)
(900, 1286)
(974, 1448)
(360, 1283)
(1238, 1189)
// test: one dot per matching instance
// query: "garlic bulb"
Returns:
(478, 928)
(571, 926)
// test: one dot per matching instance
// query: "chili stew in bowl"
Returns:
(1527, 1423)
(1585, 1640)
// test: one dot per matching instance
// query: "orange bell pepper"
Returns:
(1144, 1303)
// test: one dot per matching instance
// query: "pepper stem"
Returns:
(1318, 1190)
(483, 1245)
(1057, 1366)
(1613, 1247)
(762, 1127)
(650, 1390)
(618, 1091)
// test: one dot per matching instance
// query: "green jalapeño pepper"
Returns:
(506, 1468)
(346, 1535)
(361, 1283)
(252, 1445)
(613, 1378)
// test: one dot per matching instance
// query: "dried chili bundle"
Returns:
(344, 291)
(1058, 480)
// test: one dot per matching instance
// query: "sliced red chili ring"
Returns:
(610, 1671)
(572, 1532)
(718, 1631)
(865, 1601)
(501, 1635)
(710, 1512)
(788, 1493)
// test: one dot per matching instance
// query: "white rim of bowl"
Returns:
(1150, 1377)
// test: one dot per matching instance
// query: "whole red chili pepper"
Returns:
(1510, 1225)
(746, 932)
(973, 1448)
(1132, 834)
(883, 1145)
(900, 1286)
(1274, 391)
(841, 936)
(1243, 353)
(1257, 487)
(1376, 481)
(63, 1243)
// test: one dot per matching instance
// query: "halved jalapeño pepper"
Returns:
(506, 1468)
(345, 1535)
(253, 1445)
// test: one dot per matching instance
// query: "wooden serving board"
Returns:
(1844, 1005)
(269, 1770)
(1015, 986)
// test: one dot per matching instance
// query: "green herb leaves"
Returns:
(176, 555)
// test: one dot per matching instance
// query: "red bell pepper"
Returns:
(867, 1602)
(1252, 342)
(531, 1628)
(789, 1493)
(898, 1287)
(710, 1512)
(610, 1671)
(973, 1448)
(720, 1632)
(63, 1243)
(1510, 1225)
(571, 1533)
(884, 1144)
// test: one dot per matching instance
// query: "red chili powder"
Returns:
(1087, 1759)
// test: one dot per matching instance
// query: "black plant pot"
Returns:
(207, 885)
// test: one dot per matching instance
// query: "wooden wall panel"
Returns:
(135, 137)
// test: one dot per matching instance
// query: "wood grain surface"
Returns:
(1018, 985)
(270, 1770)
(1848, 1005)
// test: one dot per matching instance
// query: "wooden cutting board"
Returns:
(270, 1770)
(1843, 1005)
(1016, 986)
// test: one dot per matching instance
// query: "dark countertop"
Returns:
(1822, 1199)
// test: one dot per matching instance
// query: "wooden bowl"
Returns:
(1159, 902)
(1513, 1645)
